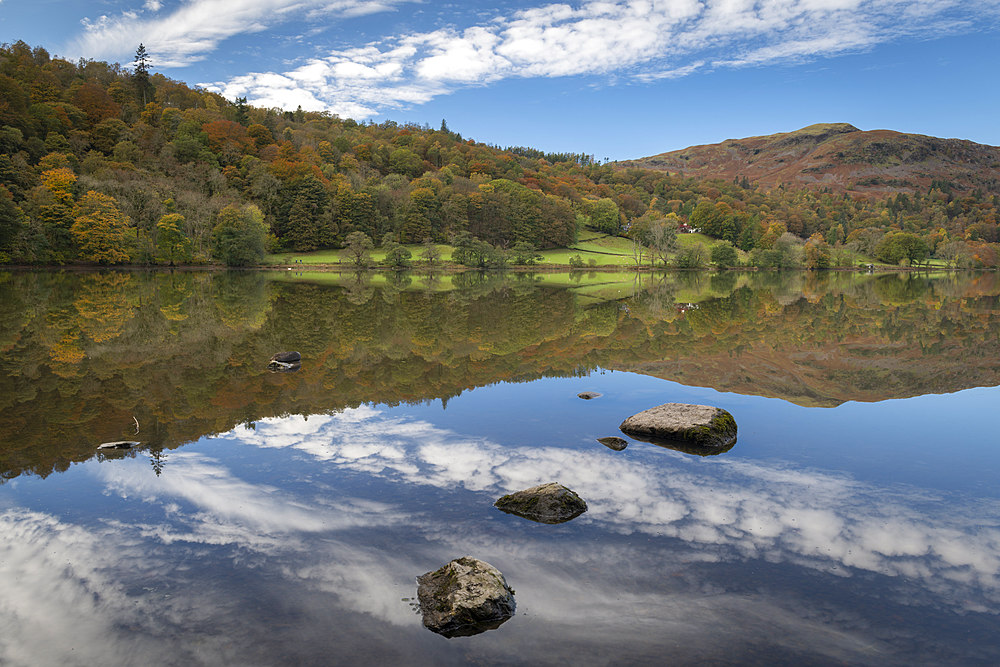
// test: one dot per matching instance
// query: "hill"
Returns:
(101, 166)
(841, 158)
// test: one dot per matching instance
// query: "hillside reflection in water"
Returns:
(282, 518)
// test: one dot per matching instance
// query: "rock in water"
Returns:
(287, 357)
(694, 429)
(465, 597)
(283, 367)
(587, 395)
(548, 503)
(120, 444)
(615, 443)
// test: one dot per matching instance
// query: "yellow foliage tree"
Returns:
(101, 230)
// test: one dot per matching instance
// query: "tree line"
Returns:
(110, 164)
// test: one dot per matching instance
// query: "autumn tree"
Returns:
(817, 252)
(101, 230)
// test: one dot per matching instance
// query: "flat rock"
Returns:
(465, 597)
(546, 503)
(587, 395)
(286, 357)
(119, 444)
(614, 442)
(694, 429)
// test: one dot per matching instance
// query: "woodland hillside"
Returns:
(101, 163)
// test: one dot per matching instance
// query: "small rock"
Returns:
(587, 395)
(547, 503)
(287, 357)
(465, 597)
(694, 429)
(613, 442)
(120, 444)
(283, 367)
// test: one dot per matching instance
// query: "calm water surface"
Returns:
(282, 518)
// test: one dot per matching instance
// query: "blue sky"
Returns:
(615, 79)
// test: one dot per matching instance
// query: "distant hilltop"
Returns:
(840, 157)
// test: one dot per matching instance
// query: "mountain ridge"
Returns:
(839, 157)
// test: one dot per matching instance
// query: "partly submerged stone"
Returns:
(286, 357)
(614, 442)
(587, 395)
(119, 444)
(694, 429)
(465, 597)
(547, 503)
(283, 367)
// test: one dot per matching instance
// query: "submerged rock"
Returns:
(614, 442)
(287, 357)
(547, 503)
(465, 597)
(693, 429)
(587, 395)
(283, 367)
(120, 444)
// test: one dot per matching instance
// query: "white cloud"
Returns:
(642, 39)
(97, 593)
(737, 508)
(197, 27)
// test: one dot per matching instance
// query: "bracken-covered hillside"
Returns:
(842, 158)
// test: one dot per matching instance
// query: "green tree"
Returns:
(430, 252)
(603, 215)
(171, 242)
(693, 256)
(723, 255)
(359, 247)
(140, 75)
(524, 253)
(101, 230)
(398, 256)
(902, 246)
(240, 235)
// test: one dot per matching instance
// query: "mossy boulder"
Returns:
(547, 503)
(694, 429)
(465, 597)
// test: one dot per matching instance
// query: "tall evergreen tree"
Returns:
(140, 75)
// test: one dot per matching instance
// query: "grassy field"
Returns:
(597, 250)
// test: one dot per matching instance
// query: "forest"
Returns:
(108, 164)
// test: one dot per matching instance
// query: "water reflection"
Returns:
(256, 566)
(732, 509)
(185, 354)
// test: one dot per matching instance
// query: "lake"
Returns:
(282, 518)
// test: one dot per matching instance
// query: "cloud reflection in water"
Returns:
(325, 558)
(726, 508)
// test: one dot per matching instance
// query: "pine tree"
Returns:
(140, 74)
